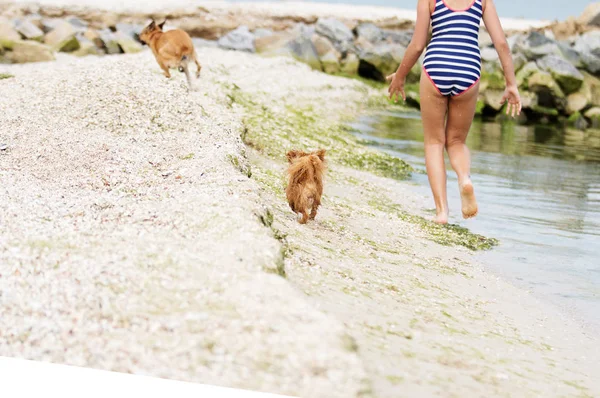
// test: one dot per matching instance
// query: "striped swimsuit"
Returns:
(452, 60)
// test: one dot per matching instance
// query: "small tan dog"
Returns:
(305, 184)
(172, 49)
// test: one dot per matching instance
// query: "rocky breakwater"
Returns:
(34, 38)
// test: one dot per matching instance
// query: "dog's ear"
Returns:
(321, 154)
(152, 25)
(162, 24)
(291, 155)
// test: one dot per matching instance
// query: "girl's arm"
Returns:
(413, 51)
(494, 28)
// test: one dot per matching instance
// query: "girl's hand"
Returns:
(396, 89)
(511, 95)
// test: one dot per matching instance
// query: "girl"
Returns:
(450, 87)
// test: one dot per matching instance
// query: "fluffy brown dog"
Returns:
(305, 184)
(172, 49)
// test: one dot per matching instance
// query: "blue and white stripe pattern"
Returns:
(453, 60)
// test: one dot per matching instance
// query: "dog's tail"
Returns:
(184, 67)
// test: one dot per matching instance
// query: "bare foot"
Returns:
(441, 217)
(467, 197)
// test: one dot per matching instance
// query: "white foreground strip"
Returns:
(22, 378)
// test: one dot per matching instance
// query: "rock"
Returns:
(492, 79)
(591, 15)
(536, 45)
(62, 38)
(492, 99)
(512, 41)
(577, 121)
(109, 41)
(199, 43)
(275, 44)
(380, 61)
(402, 38)
(127, 43)
(130, 30)
(240, 39)
(525, 72)
(78, 24)
(489, 54)
(324, 46)
(302, 29)
(350, 64)
(588, 42)
(261, 32)
(30, 51)
(576, 102)
(571, 55)
(485, 40)
(330, 63)
(590, 62)
(362, 44)
(593, 83)
(304, 51)
(49, 24)
(8, 35)
(528, 99)
(565, 74)
(593, 115)
(86, 46)
(550, 96)
(519, 61)
(339, 34)
(369, 32)
(29, 31)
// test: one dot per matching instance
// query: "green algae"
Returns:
(275, 130)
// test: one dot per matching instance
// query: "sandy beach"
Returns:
(144, 229)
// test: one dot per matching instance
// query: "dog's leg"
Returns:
(195, 58)
(188, 76)
(165, 69)
(304, 218)
(315, 206)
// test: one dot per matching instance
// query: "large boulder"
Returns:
(110, 43)
(593, 114)
(62, 38)
(304, 51)
(380, 61)
(127, 43)
(591, 15)
(594, 85)
(130, 30)
(350, 64)
(262, 32)
(86, 46)
(370, 32)
(339, 34)
(240, 39)
(536, 45)
(275, 44)
(493, 98)
(78, 24)
(588, 47)
(549, 93)
(525, 72)
(29, 31)
(8, 34)
(565, 74)
(324, 46)
(402, 37)
(29, 51)
(330, 63)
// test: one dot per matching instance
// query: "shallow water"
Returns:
(538, 190)
(531, 9)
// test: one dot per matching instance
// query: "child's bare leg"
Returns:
(433, 113)
(461, 111)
